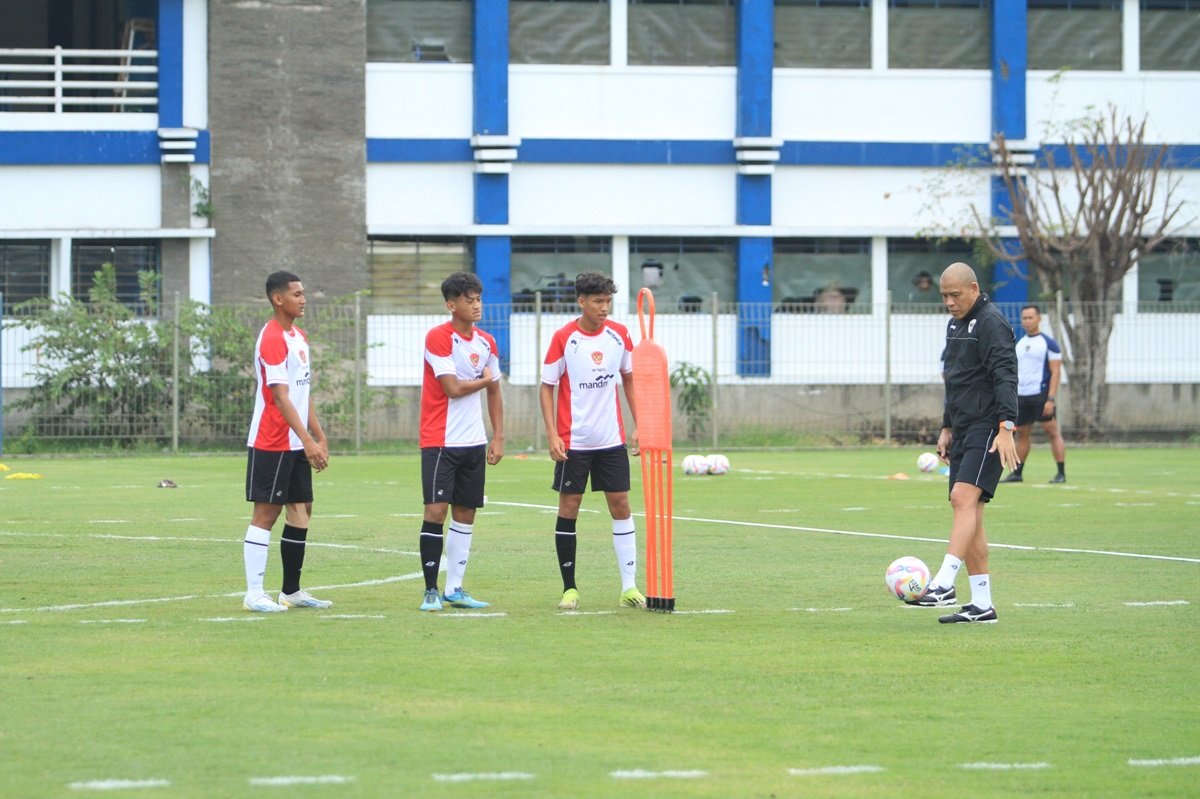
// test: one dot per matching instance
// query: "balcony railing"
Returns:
(60, 80)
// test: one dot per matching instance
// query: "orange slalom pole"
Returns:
(652, 396)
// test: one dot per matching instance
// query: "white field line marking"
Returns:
(113, 621)
(236, 618)
(454, 615)
(486, 775)
(187, 519)
(1043, 604)
(193, 539)
(117, 785)
(354, 616)
(699, 612)
(839, 770)
(1171, 761)
(327, 779)
(587, 613)
(17, 621)
(1162, 602)
(1004, 766)
(822, 610)
(108, 521)
(641, 774)
(853, 508)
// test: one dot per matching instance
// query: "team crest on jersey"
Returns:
(971, 326)
(597, 357)
(303, 356)
(474, 358)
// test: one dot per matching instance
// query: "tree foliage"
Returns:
(695, 396)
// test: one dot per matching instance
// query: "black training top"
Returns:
(980, 368)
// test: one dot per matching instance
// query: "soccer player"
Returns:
(1039, 369)
(460, 360)
(980, 373)
(585, 431)
(286, 443)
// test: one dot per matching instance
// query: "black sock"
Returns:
(431, 552)
(1062, 468)
(564, 542)
(291, 549)
(1020, 466)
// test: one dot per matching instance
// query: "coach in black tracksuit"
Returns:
(977, 435)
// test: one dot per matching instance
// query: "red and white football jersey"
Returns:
(587, 368)
(280, 356)
(458, 421)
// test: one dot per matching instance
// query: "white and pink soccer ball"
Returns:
(907, 578)
(927, 461)
(695, 464)
(718, 464)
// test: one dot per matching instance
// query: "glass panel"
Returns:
(549, 265)
(1170, 275)
(1170, 34)
(24, 271)
(419, 30)
(821, 33)
(910, 260)
(557, 32)
(822, 276)
(933, 34)
(128, 257)
(692, 269)
(1067, 34)
(687, 33)
(407, 274)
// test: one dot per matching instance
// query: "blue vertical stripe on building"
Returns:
(489, 51)
(1010, 281)
(493, 267)
(170, 63)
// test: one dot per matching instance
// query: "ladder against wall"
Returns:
(137, 35)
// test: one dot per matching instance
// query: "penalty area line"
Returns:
(834, 770)
(117, 785)
(283, 782)
(493, 776)
(1157, 603)
(1170, 761)
(1004, 766)
(670, 774)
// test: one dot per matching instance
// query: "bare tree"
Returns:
(1081, 226)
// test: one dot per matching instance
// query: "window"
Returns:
(1074, 34)
(1169, 277)
(822, 276)
(407, 273)
(691, 270)
(1170, 34)
(128, 257)
(419, 30)
(682, 32)
(910, 259)
(823, 33)
(939, 34)
(558, 32)
(549, 265)
(24, 272)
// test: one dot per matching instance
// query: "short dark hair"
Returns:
(278, 282)
(589, 283)
(1025, 308)
(459, 284)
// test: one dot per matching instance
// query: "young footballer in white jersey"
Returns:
(1039, 371)
(460, 360)
(586, 360)
(286, 443)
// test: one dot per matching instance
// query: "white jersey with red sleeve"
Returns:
(280, 357)
(457, 421)
(586, 369)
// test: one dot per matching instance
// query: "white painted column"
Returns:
(1131, 36)
(60, 267)
(200, 270)
(879, 35)
(879, 276)
(618, 34)
(1129, 291)
(620, 275)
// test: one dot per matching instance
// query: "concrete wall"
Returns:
(288, 175)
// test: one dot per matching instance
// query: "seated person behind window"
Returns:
(923, 289)
(830, 299)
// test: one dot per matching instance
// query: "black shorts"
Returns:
(608, 469)
(453, 475)
(1029, 410)
(970, 461)
(278, 478)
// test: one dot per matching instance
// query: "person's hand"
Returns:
(1048, 408)
(634, 447)
(1005, 443)
(943, 444)
(317, 453)
(495, 451)
(558, 449)
(486, 374)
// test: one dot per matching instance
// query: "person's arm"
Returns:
(1055, 367)
(455, 388)
(315, 451)
(631, 435)
(554, 442)
(495, 405)
(998, 348)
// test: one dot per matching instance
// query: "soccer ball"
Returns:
(695, 464)
(927, 461)
(907, 578)
(718, 464)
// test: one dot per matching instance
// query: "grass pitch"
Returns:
(127, 663)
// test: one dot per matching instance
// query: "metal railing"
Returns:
(60, 80)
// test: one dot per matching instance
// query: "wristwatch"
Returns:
(1050, 398)
(1008, 425)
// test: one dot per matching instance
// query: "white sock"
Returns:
(458, 552)
(981, 591)
(625, 545)
(946, 574)
(254, 554)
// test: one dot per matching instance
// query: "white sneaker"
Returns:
(302, 599)
(262, 604)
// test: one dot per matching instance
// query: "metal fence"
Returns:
(779, 375)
